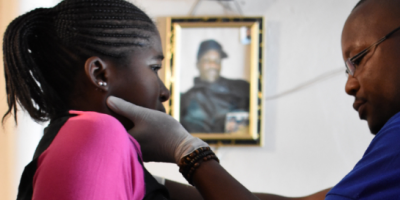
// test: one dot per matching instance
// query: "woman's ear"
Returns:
(97, 71)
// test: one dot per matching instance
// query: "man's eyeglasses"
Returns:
(351, 62)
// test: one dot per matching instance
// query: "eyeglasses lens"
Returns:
(350, 68)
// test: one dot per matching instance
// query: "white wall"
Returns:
(313, 137)
(26, 5)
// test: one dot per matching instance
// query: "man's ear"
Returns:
(97, 71)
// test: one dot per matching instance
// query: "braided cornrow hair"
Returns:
(45, 49)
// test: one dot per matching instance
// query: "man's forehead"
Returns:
(368, 22)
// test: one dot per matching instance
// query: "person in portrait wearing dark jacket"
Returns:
(205, 105)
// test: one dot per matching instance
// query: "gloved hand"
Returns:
(161, 137)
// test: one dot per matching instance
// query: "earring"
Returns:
(102, 83)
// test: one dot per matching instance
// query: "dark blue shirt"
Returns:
(377, 174)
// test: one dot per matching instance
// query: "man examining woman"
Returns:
(63, 63)
(371, 49)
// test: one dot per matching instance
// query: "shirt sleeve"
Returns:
(92, 157)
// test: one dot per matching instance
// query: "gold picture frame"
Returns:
(175, 27)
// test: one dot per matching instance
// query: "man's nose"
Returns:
(213, 65)
(352, 85)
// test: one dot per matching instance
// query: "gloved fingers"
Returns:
(125, 108)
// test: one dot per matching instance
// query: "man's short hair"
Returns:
(360, 2)
(210, 45)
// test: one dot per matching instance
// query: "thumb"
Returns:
(124, 108)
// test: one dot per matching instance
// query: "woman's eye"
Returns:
(155, 68)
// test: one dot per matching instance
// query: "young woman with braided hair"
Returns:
(62, 64)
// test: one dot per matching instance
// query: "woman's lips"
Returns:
(359, 105)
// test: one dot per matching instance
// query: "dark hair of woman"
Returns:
(45, 49)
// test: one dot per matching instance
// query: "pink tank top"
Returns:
(91, 158)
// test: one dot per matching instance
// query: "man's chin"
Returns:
(374, 127)
(377, 120)
(212, 79)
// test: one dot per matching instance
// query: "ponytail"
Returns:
(24, 81)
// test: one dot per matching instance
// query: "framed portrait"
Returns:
(214, 72)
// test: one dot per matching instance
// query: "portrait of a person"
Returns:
(204, 106)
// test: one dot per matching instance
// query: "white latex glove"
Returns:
(161, 137)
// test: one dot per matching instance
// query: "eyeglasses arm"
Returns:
(373, 45)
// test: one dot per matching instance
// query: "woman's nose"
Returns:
(164, 93)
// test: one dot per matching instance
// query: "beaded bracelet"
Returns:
(194, 162)
(189, 163)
